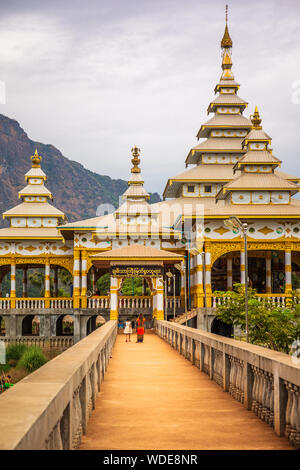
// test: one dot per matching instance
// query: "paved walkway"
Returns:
(153, 398)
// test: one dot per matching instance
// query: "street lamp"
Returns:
(235, 223)
(169, 274)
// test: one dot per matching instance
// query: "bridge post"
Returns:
(84, 403)
(226, 371)
(248, 385)
(193, 352)
(280, 400)
(211, 362)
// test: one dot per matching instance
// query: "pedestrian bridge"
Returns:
(182, 388)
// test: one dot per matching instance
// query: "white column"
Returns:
(208, 278)
(159, 298)
(268, 273)
(229, 272)
(288, 271)
(242, 267)
(47, 279)
(13, 278)
(76, 279)
(114, 307)
(198, 281)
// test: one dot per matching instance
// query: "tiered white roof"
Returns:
(35, 217)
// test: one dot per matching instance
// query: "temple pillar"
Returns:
(242, 267)
(268, 272)
(83, 278)
(159, 298)
(288, 270)
(208, 278)
(47, 284)
(55, 293)
(198, 281)
(76, 279)
(13, 282)
(24, 282)
(229, 272)
(114, 301)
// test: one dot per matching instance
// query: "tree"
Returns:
(272, 327)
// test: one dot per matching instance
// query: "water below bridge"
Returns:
(153, 398)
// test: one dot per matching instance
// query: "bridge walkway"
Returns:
(153, 398)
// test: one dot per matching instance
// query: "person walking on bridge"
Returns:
(128, 330)
(140, 329)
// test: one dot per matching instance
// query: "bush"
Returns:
(4, 368)
(32, 359)
(15, 351)
(12, 363)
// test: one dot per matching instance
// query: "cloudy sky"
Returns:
(95, 78)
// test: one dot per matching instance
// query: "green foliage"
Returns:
(15, 351)
(133, 286)
(32, 359)
(269, 326)
(4, 368)
(103, 284)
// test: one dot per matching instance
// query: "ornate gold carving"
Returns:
(36, 160)
(265, 230)
(221, 230)
(219, 249)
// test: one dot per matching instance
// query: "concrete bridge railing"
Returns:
(264, 381)
(50, 408)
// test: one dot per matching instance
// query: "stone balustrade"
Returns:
(264, 381)
(273, 300)
(42, 342)
(50, 408)
(170, 303)
(135, 302)
(99, 302)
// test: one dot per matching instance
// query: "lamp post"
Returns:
(235, 223)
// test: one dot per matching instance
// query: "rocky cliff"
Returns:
(76, 191)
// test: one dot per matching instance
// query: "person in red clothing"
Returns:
(140, 329)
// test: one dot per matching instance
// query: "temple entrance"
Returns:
(138, 280)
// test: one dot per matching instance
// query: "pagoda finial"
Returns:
(256, 120)
(36, 160)
(226, 42)
(135, 160)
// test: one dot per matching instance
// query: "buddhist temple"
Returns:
(180, 246)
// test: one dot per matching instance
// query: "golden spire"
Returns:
(256, 120)
(135, 160)
(226, 42)
(36, 160)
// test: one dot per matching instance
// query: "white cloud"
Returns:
(95, 83)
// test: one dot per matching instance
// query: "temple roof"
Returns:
(258, 156)
(30, 233)
(259, 181)
(137, 251)
(224, 121)
(226, 99)
(34, 209)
